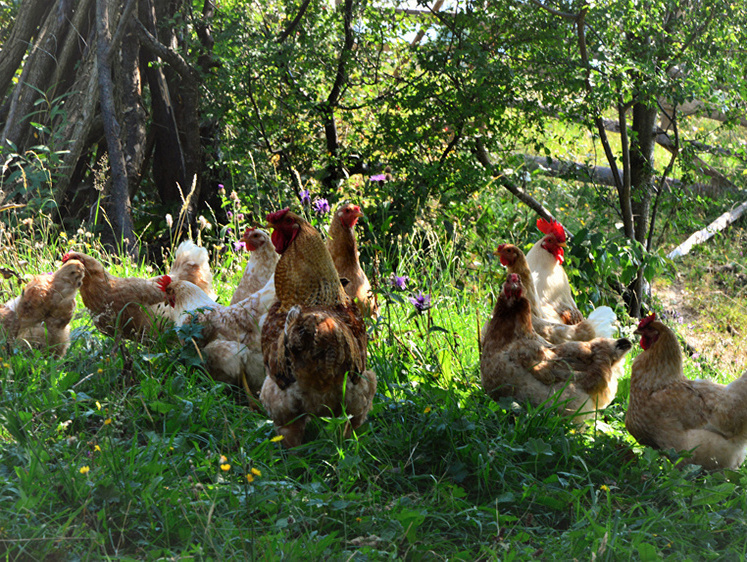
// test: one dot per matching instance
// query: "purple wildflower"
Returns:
(305, 197)
(321, 206)
(421, 302)
(378, 177)
(239, 246)
(400, 282)
(221, 190)
(240, 217)
(229, 214)
(229, 231)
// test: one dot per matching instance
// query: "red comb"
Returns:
(272, 218)
(164, 282)
(553, 227)
(646, 321)
(65, 257)
(500, 247)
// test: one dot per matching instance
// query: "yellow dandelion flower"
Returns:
(256, 472)
(107, 421)
(249, 478)
(84, 469)
(358, 519)
(604, 488)
(277, 439)
(225, 467)
(98, 405)
(223, 459)
(97, 449)
(99, 371)
(427, 410)
(6, 365)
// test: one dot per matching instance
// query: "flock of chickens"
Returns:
(294, 335)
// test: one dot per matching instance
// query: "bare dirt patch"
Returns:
(711, 338)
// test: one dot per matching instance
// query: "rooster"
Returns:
(230, 336)
(668, 411)
(554, 332)
(314, 339)
(343, 247)
(545, 261)
(517, 362)
(260, 267)
(118, 305)
(41, 315)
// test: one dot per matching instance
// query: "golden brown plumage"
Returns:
(314, 339)
(343, 247)
(517, 362)
(43, 311)
(118, 305)
(669, 411)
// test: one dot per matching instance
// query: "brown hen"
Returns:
(343, 247)
(314, 339)
(517, 362)
(669, 411)
(42, 313)
(118, 305)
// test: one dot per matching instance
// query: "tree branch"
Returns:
(174, 59)
(293, 24)
(483, 158)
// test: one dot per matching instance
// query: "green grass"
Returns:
(438, 472)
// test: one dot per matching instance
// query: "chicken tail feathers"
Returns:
(603, 320)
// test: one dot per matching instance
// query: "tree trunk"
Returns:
(34, 80)
(642, 186)
(120, 211)
(30, 15)
(169, 165)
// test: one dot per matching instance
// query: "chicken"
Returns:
(554, 332)
(191, 263)
(41, 315)
(517, 362)
(343, 247)
(230, 337)
(556, 302)
(118, 305)
(260, 267)
(314, 339)
(668, 411)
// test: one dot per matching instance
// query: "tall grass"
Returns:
(128, 452)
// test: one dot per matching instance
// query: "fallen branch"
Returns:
(709, 231)
(576, 171)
